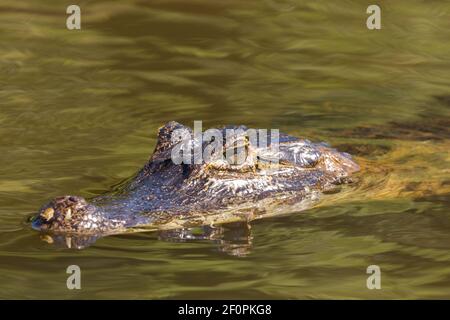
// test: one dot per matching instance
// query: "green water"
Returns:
(79, 112)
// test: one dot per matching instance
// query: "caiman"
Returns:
(167, 195)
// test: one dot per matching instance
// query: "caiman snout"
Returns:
(71, 214)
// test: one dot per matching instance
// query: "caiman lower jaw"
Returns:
(72, 214)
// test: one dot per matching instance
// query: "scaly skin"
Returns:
(164, 191)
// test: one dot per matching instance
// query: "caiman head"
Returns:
(219, 168)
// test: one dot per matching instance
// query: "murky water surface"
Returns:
(79, 112)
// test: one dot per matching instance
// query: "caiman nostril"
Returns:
(48, 214)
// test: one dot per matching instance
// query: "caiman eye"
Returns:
(236, 155)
